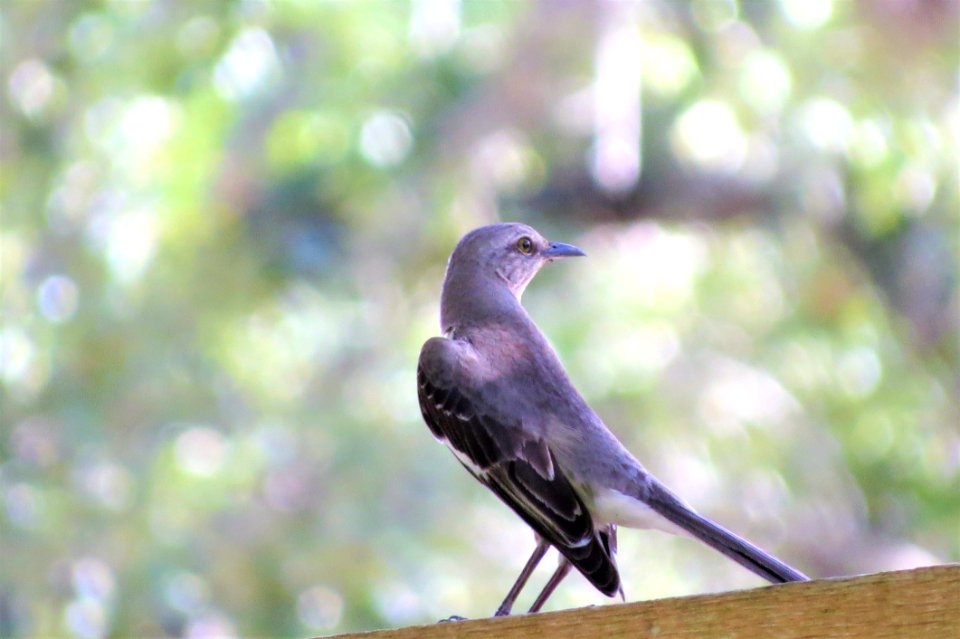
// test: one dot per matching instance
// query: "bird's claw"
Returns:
(452, 618)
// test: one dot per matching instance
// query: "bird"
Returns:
(494, 391)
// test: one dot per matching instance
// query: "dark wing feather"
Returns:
(522, 472)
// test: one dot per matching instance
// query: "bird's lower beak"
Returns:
(559, 249)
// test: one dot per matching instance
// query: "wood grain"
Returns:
(913, 604)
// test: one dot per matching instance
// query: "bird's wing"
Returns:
(511, 461)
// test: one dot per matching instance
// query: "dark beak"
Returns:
(559, 249)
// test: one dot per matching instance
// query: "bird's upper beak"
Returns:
(559, 249)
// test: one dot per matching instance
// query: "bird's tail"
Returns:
(671, 507)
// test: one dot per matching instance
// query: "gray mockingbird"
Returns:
(494, 391)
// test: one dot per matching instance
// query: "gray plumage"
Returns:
(494, 391)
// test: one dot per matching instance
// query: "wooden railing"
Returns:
(912, 604)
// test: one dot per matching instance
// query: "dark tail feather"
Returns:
(719, 538)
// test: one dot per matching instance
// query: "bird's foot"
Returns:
(452, 618)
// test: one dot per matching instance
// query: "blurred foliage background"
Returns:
(224, 228)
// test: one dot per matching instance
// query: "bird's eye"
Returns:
(525, 245)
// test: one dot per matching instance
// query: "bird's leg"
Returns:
(562, 570)
(612, 542)
(521, 581)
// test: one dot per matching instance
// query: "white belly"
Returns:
(613, 507)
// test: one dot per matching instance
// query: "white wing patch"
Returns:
(465, 460)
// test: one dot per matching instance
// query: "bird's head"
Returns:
(510, 252)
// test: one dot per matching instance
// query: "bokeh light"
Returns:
(807, 14)
(201, 451)
(249, 65)
(31, 86)
(57, 298)
(826, 123)
(385, 139)
(709, 136)
(765, 82)
(616, 161)
(319, 608)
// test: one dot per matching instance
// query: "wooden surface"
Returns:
(911, 604)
